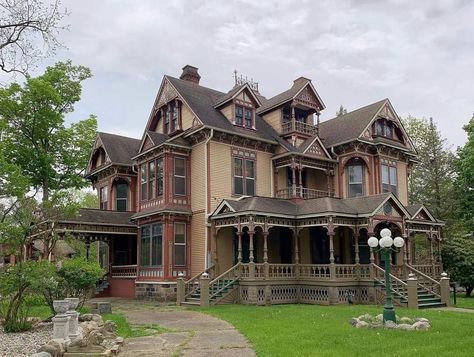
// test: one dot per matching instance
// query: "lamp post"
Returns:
(387, 245)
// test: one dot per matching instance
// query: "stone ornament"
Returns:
(60, 306)
(405, 323)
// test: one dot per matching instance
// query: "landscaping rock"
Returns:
(422, 319)
(405, 327)
(379, 317)
(365, 317)
(362, 324)
(405, 320)
(353, 321)
(53, 351)
(390, 324)
(85, 317)
(421, 325)
(41, 354)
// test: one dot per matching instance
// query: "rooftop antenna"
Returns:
(240, 79)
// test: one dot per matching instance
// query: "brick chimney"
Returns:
(190, 74)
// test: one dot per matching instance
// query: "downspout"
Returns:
(206, 188)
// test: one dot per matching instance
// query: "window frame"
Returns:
(117, 198)
(103, 204)
(184, 244)
(390, 168)
(144, 181)
(361, 183)
(175, 176)
(153, 240)
(244, 158)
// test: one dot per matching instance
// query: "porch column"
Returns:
(297, 250)
(251, 257)
(293, 180)
(372, 256)
(214, 250)
(331, 246)
(265, 247)
(356, 247)
(239, 247)
(300, 177)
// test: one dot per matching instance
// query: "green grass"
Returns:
(463, 301)
(124, 329)
(312, 330)
(43, 312)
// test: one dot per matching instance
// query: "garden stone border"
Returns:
(405, 323)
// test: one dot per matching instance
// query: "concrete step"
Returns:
(431, 305)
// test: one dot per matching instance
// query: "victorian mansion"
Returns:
(273, 203)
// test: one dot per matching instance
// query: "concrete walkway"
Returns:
(194, 334)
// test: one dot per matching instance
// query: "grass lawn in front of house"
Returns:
(312, 330)
(126, 330)
(463, 301)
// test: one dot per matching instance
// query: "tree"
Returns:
(49, 155)
(341, 111)
(28, 32)
(458, 259)
(431, 179)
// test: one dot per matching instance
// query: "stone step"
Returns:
(431, 305)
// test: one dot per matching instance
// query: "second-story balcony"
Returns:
(301, 127)
(302, 192)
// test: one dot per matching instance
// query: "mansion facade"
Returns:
(273, 204)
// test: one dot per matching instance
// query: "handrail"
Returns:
(430, 279)
(398, 284)
(225, 273)
(391, 275)
(192, 285)
(220, 281)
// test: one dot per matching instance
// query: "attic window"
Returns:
(172, 117)
(384, 127)
(244, 116)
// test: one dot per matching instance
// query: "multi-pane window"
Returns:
(166, 127)
(239, 115)
(389, 179)
(179, 244)
(384, 127)
(104, 194)
(244, 176)
(151, 248)
(179, 176)
(355, 174)
(174, 118)
(151, 180)
(144, 181)
(121, 189)
(159, 176)
(248, 118)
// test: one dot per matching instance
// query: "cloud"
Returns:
(419, 54)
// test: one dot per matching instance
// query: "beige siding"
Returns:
(228, 112)
(316, 179)
(304, 248)
(197, 243)
(187, 117)
(264, 172)
(221, 173)
(198, 176)
(274, 119)
(282, 178)
(402, 182)
(225, 250)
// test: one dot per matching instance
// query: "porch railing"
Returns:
(150, 272)
(223, 281)
(426, 281)
(302, 192)
(123, 271)
(314, 271)
(399, 287)
(192, 285)
(299, 127)
(428, 269)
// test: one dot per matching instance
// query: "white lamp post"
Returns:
(387, 245)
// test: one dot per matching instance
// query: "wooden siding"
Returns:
(187, 117)
(273, 118)
(264, 173)
(198, 242)
(402, 182)
(198, 194)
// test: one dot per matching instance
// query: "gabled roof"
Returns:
(101, 217)
(155, 138)
(120, 149)
(349, 126)
(418, 208)
(234, 92)
(201, 101)
(288, 95)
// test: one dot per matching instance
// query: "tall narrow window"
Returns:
(379, 127)
(144, 180)
(239, 115)
(179, 176)
(157, 244)
(159, 176)
(103, 197)
(179, 244)
(151, 179)
(248, 118)
(388, 131)
(355, 174)
(238, 176)
(249, 177)
(122, 196)
(174, 117)
(145, 246)
(389, 179)
(244, 177)
(166, 128)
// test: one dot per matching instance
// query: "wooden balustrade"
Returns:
(217, 285)
(123, 271)
(151, 272)
(426, 281)
(346, 271)
(192, 284)
(306, 193)
(299, 127)
(281, 271)
(313, 271)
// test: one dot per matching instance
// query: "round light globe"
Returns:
(373, 242)
(385, 232)
(386, 242)
(398, 242)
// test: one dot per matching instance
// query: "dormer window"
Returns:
(244, 116)
(384, 128)
(172, 117)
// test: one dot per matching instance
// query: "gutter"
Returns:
(206, 189)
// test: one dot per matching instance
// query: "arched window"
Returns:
(121, 195)
(355, 178)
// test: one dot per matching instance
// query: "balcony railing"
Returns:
(124, 271)
(299, 127)
(302, 192)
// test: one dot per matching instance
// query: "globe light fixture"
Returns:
(387, 245)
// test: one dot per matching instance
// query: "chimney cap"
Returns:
(190, 74)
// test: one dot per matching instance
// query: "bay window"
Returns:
(144, 181)
(179, 176)
(179, 244)
(159, 176)
(151, 180)
(151, 248)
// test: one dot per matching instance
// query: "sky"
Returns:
(419, 54)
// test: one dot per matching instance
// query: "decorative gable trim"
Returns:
(230, 98)
(303, 95)
(317, 148)
(223, 208)
(147, 143)
(396, 204)
(423, 211)
(97, 144)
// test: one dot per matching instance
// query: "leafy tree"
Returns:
(341, 111)
(28, 32)
(431, 179)
(458, 259)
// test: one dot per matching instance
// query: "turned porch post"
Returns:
(265, 247)
(239, 247)
(356, 247)
(296, 245)
(251, 257)
(293, 179)
(300, 177)
(331, 246)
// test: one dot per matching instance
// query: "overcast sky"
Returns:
(419, 54)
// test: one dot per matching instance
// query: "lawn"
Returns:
(311, 330)
(463, 301)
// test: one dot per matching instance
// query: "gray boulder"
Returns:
(390, 324)
(41, 354)
(353, 321)
(421, 325)
(361, 324)
(405, 327)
